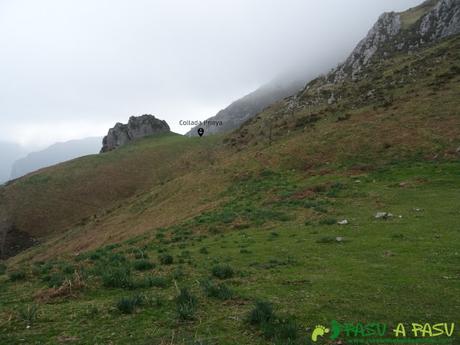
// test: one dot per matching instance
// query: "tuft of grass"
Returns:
(17, 275)
(54, 279)
(219, 291)
(117, 277)
(328, 221)
(262, 312)
(166, 259)
(67, 268)
(127, 305)
(204, 250)
(186, 304)
(143, 265)
(281, 330)
(222, 271)
(28, 314)
(160, 282)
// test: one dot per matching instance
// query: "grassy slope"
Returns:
(400, 269)
(265, 211)
(84, 190)
(411, 16)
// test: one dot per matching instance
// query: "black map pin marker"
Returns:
(200, 132)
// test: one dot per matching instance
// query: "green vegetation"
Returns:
(117, 277)
(186, 304)
(261, 313)
(143, 265)
(166, 259)
(28, 314)
(127, 305)
(219, 291)
(17, 275)
(2, 269)
(299, 268)
(258, 254)
(222, 271)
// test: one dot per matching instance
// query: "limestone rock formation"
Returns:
(429, 22)
(388, 26)
(137, 127)
(442, 21)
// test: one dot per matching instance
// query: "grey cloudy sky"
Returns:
(72, 68)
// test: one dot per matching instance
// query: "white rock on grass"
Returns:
(383, 215)
(343, 222)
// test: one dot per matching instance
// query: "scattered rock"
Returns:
(383, 215)
(343, 222)
(339, 239)
(331, 99)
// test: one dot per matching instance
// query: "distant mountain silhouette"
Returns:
(56, 153)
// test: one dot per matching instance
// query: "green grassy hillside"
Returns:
(276, 239)
(257, 237)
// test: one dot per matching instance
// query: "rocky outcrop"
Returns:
(387, 27)
(137, 127)
(442, 21)
(394, 32)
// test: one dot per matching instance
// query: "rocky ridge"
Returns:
(393, 32)
(429, 22)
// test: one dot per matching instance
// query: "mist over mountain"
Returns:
(248, 106)
(54, 154)
(9, 153)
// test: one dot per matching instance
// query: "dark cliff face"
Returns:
(137, 127)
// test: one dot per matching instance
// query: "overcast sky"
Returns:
(72, 68)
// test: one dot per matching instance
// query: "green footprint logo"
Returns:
(319, 331)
